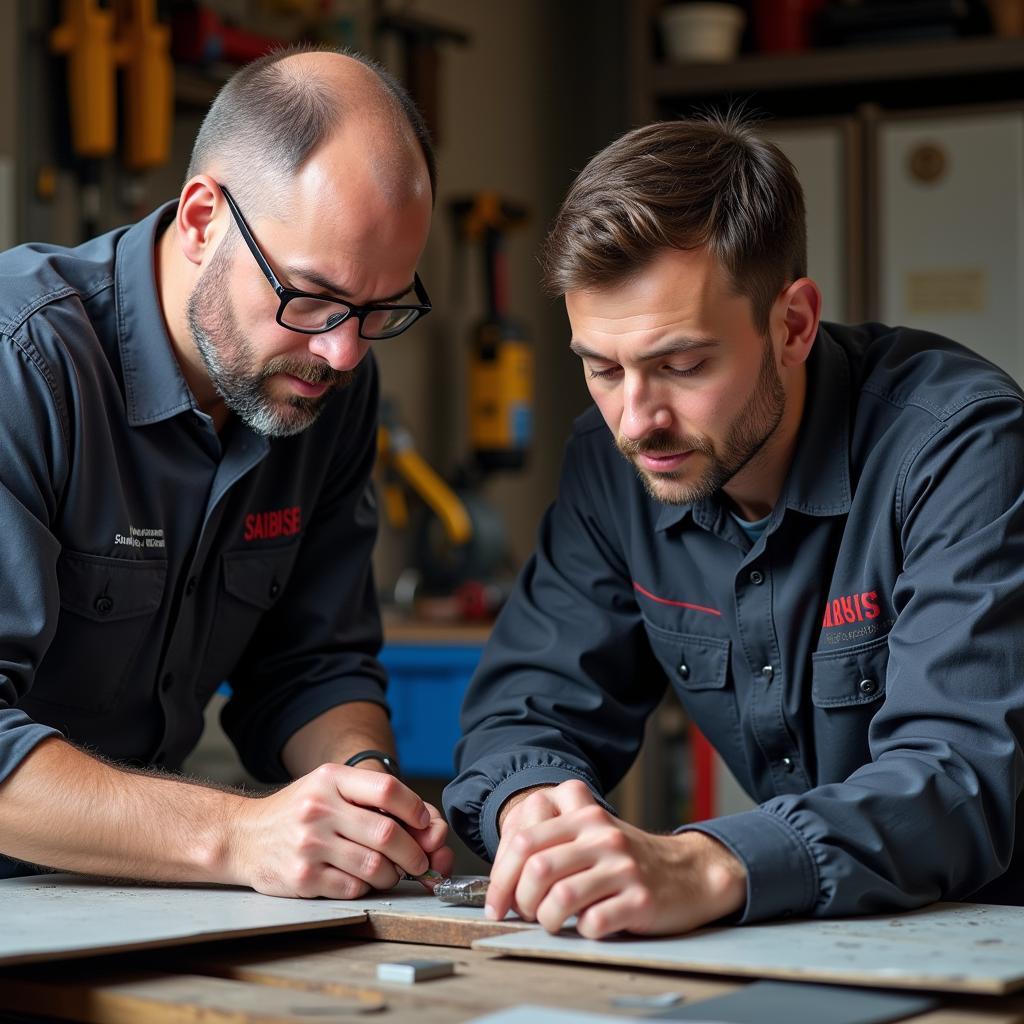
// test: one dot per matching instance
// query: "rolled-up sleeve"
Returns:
(934, 814)
(567, 680)
(317, 648)
(33, 462)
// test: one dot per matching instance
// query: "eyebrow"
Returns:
(333, 290)
(673, 348)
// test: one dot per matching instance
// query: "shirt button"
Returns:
(868, 686)
(757, 577)
(684, 671)
(103, 604)
(190, 587)
(167, 682)
(275, 589)
(768, 672)
(787, 763)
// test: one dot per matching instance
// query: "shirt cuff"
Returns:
(263, 758)
(524, 778)
(19, 736)
(782, 877)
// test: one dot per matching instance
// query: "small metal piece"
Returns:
(409, 971)
(664, 1001)
(463, 890)
(430, 875)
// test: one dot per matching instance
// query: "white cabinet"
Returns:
(825, 157)
(950, 229)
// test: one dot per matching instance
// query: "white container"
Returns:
(708, 32)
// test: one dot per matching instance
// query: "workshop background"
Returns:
(905, 119)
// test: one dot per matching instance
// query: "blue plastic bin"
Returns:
(427, 684)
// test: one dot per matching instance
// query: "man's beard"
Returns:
(750, 429)
(231, 364)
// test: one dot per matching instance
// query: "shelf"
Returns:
(842, 66)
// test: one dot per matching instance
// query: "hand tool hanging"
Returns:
(98, 41)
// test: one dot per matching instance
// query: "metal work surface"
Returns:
(947, 947)
(49, 916)
(313, 977)
(54, 916)
(251, 975)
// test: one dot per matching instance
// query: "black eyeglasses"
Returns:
(309, 313)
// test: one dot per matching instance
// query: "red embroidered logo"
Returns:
(851, 608)
(279, 522)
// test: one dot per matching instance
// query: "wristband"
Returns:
(390, 763)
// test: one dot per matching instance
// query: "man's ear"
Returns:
(196, 223)
(797, 312)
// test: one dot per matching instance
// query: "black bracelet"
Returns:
(389, 762)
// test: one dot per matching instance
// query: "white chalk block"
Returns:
(410, 971)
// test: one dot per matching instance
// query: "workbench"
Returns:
(330, 975)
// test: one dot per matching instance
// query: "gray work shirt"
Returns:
(144, 558)
(860, 667)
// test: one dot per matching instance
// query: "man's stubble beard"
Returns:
(231, 365)
(750, 430)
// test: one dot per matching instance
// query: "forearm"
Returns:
(67, 810)
(337, 734)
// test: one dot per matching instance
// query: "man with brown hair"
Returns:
(814, 532)
(185, 453)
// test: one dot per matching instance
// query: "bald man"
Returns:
(185, 452)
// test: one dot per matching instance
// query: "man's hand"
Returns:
(539, 803)
(562, 854)
(325, 835)
(331, 737)
(432, 842)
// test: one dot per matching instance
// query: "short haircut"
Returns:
(710, 181)
(268, 120)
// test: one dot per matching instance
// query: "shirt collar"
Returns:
(818, 482)
(154, 386)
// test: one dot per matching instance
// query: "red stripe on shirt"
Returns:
(675, 604)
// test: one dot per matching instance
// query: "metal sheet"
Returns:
(50, 916)
(948, 947)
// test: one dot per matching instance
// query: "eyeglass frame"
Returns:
(422, 308)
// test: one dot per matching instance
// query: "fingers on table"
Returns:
(520, 847)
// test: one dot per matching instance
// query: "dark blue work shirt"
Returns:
(860, 668)
(144, 558)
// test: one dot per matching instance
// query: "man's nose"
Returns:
(341, 348)
(643, 411)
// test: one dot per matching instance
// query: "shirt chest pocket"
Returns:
(252, 583)
(847, 689)
(256, 578)
(698, 669)
(107, 606)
